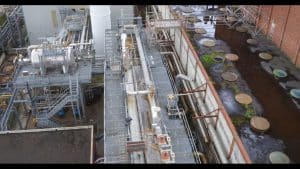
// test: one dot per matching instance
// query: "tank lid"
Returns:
(278, 157)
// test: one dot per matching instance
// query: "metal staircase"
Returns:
(68, 96)
(98, 65)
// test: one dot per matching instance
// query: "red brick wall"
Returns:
(282, 23)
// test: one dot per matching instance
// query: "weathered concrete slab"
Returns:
(54, 145)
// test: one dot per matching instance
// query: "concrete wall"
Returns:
(282, 24)
(223, 135)
(40, 20)
(100, 21)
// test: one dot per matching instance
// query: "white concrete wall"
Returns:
(100, 19)
(38, 21)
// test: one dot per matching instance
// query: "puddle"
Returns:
(269, 99)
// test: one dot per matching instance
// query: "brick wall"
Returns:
(282, 24)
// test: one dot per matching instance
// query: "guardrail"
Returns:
(220, 127)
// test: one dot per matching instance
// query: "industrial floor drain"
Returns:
(295, 93)
(252, 42)
(279, 73)
(243, 98)
(278, 157)
(259, 124)
(265, 56)
(208, 42)
(231, 57)
(219, 59)
(229, 76)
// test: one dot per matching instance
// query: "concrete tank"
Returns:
(100, 19)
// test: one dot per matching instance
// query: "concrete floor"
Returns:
(55, 146)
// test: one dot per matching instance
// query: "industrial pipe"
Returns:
(137, 92)
(123, 41)
(142, 58)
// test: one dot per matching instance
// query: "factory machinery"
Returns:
(160, 106)
(49, 77)
(141, 124)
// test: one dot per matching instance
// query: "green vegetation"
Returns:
(235, 88)
(2, 19)
(208, 59)
(238, 120)
(249, 112)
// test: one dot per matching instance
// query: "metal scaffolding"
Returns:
(247, 16)
(47, 82)
(12, 30)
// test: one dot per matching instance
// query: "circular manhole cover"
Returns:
(219, 59)
(265, 56)
(229, 76)
(243, 98)
(278, 157)
(231, 57)
(208, 42)
(241, 29)
(279, 73)
(200, 30)
(252, 42)
(295, 93)
(259, 124)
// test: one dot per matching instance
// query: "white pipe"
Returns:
(182, 76)
(137, 92)
(191, 101)
(82, 36)
(135, 128)
(142, 58)
(123, 40)
(76, 44)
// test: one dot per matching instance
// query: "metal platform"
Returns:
(115, 134)
(84, 72)
(180, 141)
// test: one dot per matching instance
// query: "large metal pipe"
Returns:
(123, 41)
(137, 92)
(135, 128)
(142, 59)
(198, 121)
